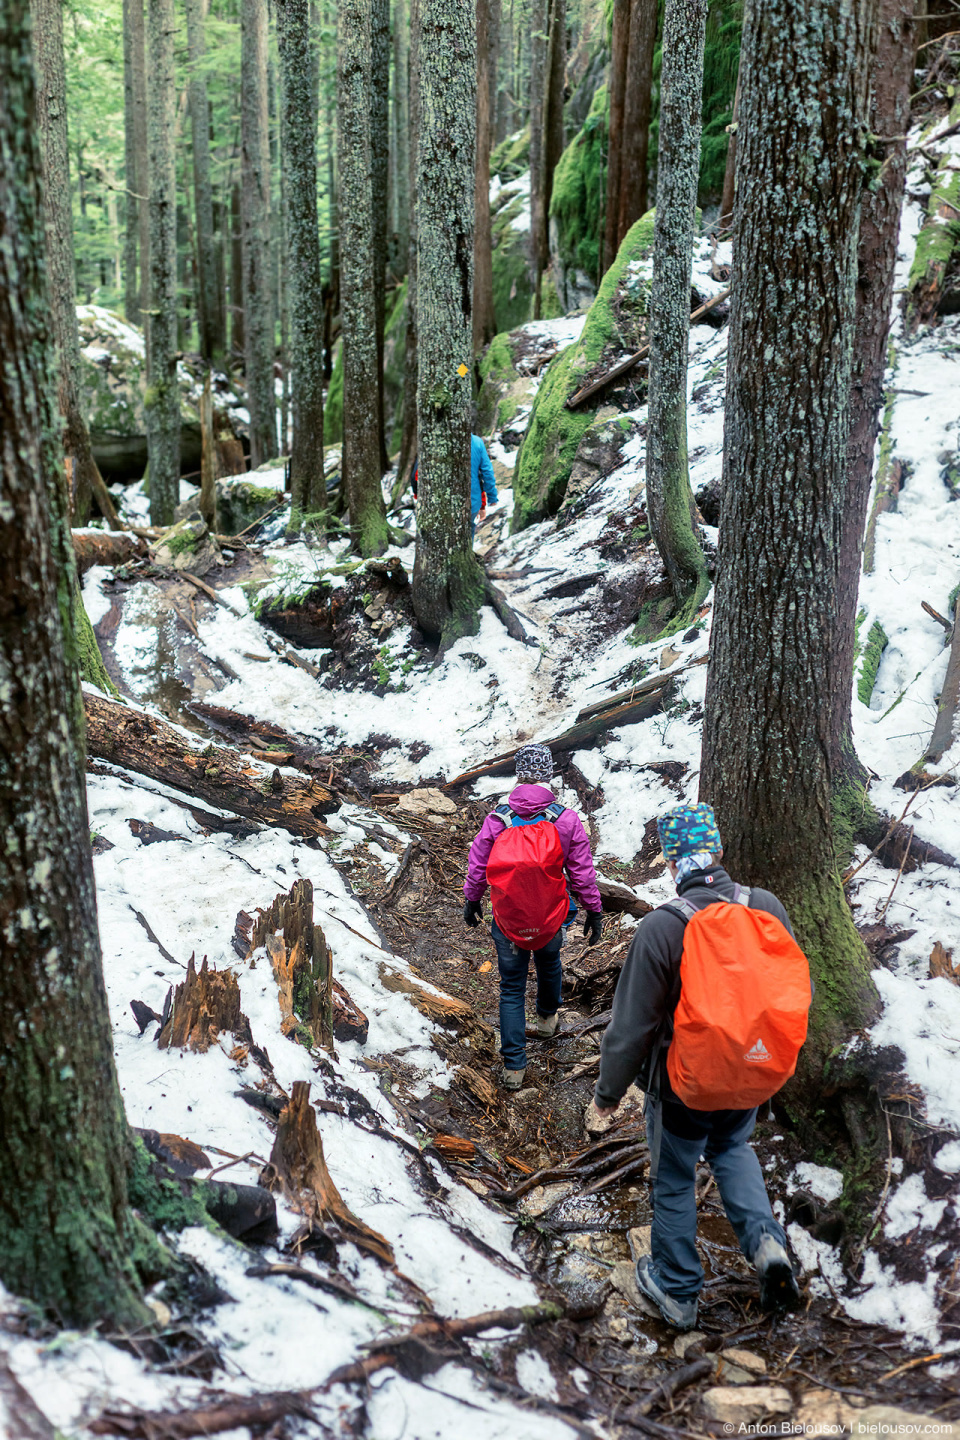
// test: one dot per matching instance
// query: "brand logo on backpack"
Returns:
(758, 1054)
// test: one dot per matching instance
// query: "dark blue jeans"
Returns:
(514, 965)
(678, 1138)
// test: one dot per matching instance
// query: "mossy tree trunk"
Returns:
(401, 132)
(52, 121)
(447, 581)
(939, 240)
(539, 13)
(552, 147)
(65, 1230)
(132, 183)
(361, 400)
(669, 499)
(484, 315)
(379, 173)
(408, 441)
(617, 86)
(635, 133)
(298, 144)
(208, 290)
(892, 80)
(258, 311)
(767, 745)
(162, 400)
(135, 17)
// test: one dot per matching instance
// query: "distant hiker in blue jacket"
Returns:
(483, 486)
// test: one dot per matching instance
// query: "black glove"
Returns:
(472, 913)
(593, 926)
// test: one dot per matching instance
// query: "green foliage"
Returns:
(721, 59)
(872, 655)
(497, 372)
(512, 156)
(333, 408)
(579, 190)
(554, 432)
(92, 668)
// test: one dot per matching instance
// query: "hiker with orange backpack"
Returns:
(709, 1015)
(523, 851)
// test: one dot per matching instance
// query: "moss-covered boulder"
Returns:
(513, 279)
(188, 545)
(503, 389)
(577, 209)
(242, 500)
(614, 326)
(599, 453)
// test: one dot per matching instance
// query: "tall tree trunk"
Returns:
(552, 129)
(636, 115)
(66, 1234)
(879, 230)
(138, 62)
(379, 173)
(447, 581)
(162, 401)
(298, 140)
(238, 344)
(767, 742)
(258, 312)
(211, 325)
(669, 500)
(484, 316)
(132, 182)
(401, 132)
(539, 38)
(361, 441)
(408, 441)
(52, 120)
(619, 54)
(725, 217)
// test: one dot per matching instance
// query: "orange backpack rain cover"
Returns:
(742, 1015)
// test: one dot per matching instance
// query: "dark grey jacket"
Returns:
(649, 987)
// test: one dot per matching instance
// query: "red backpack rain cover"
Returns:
(528, 891)
(742, 1015)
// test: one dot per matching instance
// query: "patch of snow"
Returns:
(947, 1158)
(904, 1305)
(909, 1208)
(95, 601)
(820, 1180)
(922, 1018)
(535, 1376)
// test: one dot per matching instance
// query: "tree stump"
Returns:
(205, 1006)
(302, 964)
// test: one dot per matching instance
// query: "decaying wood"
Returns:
(649, 686)
(140, 742)
(262, 736)
(940, 619)
(947, 727)
(506, 613)
(621, 899)
(302, 964)
(349, 1021)
(578, 737)
(208, 457)
(885, 496)
(427, 1333)
(106, 547)
(942, 966)
(297, 1167)
(442, 1009)
(231, 1412)
(454, 1147)
(623, 367)
(205, 1006)
(479, 1086)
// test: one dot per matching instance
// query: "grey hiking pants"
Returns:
(678, 1138)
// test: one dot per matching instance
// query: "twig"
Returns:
(921, 1360)
(679, 1380)
(160, 946)
(209, 591)
(940, 619)
(227, 1164)
(906, 852)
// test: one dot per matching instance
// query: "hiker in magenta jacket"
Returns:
(534, 765)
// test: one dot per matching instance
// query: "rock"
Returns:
(623, 1278)
(639, 1241)
(599, 452)
(683, 1342)
(426, 803)
(890, 1420)
(729, 1374)
(746, 1360)
(595, 1124)
(740, 1404)
(188, 545)
(241, 502)
(822, 1410)
(542, 1197)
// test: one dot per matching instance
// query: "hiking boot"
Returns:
(778, 1285)
(513, 1079)
(546, 1025)
(682, 1314)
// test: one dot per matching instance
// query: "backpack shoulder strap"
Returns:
(506, 814)
(742, 895)
(555, 810)
(684, 908)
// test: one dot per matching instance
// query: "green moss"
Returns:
(167, 1203)
(939, 237)
(579, 191)
(554, 432)
(512, 156)
(182, 541)
(852, 811)
(512, 281)
(872, 655)
(721, 60)
(92, 668)
(333, 408)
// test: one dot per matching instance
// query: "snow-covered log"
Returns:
(947, 727)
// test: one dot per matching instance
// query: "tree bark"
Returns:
(725, 217)
(669, 499)
(767, 743)
(401, 132)
(361, 445)
(58, 215)
(408, 442)
(447, 581)
(258, 311)
(162, 400)
(892, 81)
(238, 344)
(132, 182)
(636, 115)
(552, 135)
(619, 53)
(138, 63)
(484, 316)
(65, 1230)
(947, 728)
(208, 292)
(379, 174)
(298, 140)
(539, 43)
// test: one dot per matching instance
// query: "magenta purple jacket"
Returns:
(528, 800)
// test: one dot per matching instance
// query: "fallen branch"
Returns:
(947, 727)
(623, 366)
(506, 613)
(578, 737)
(209, 591)
(669, 1387)
(940, 619)
(920, 1360)
(232, 1412)
(140, 742)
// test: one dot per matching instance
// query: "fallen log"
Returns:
(578, 737)
(140, 742)
(947, 727)
(231, 1412)
(506, 613)
(440, 1008)
(621, 899)
(622, 367)
(643, 687)
(886, 493)
(105, 547)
